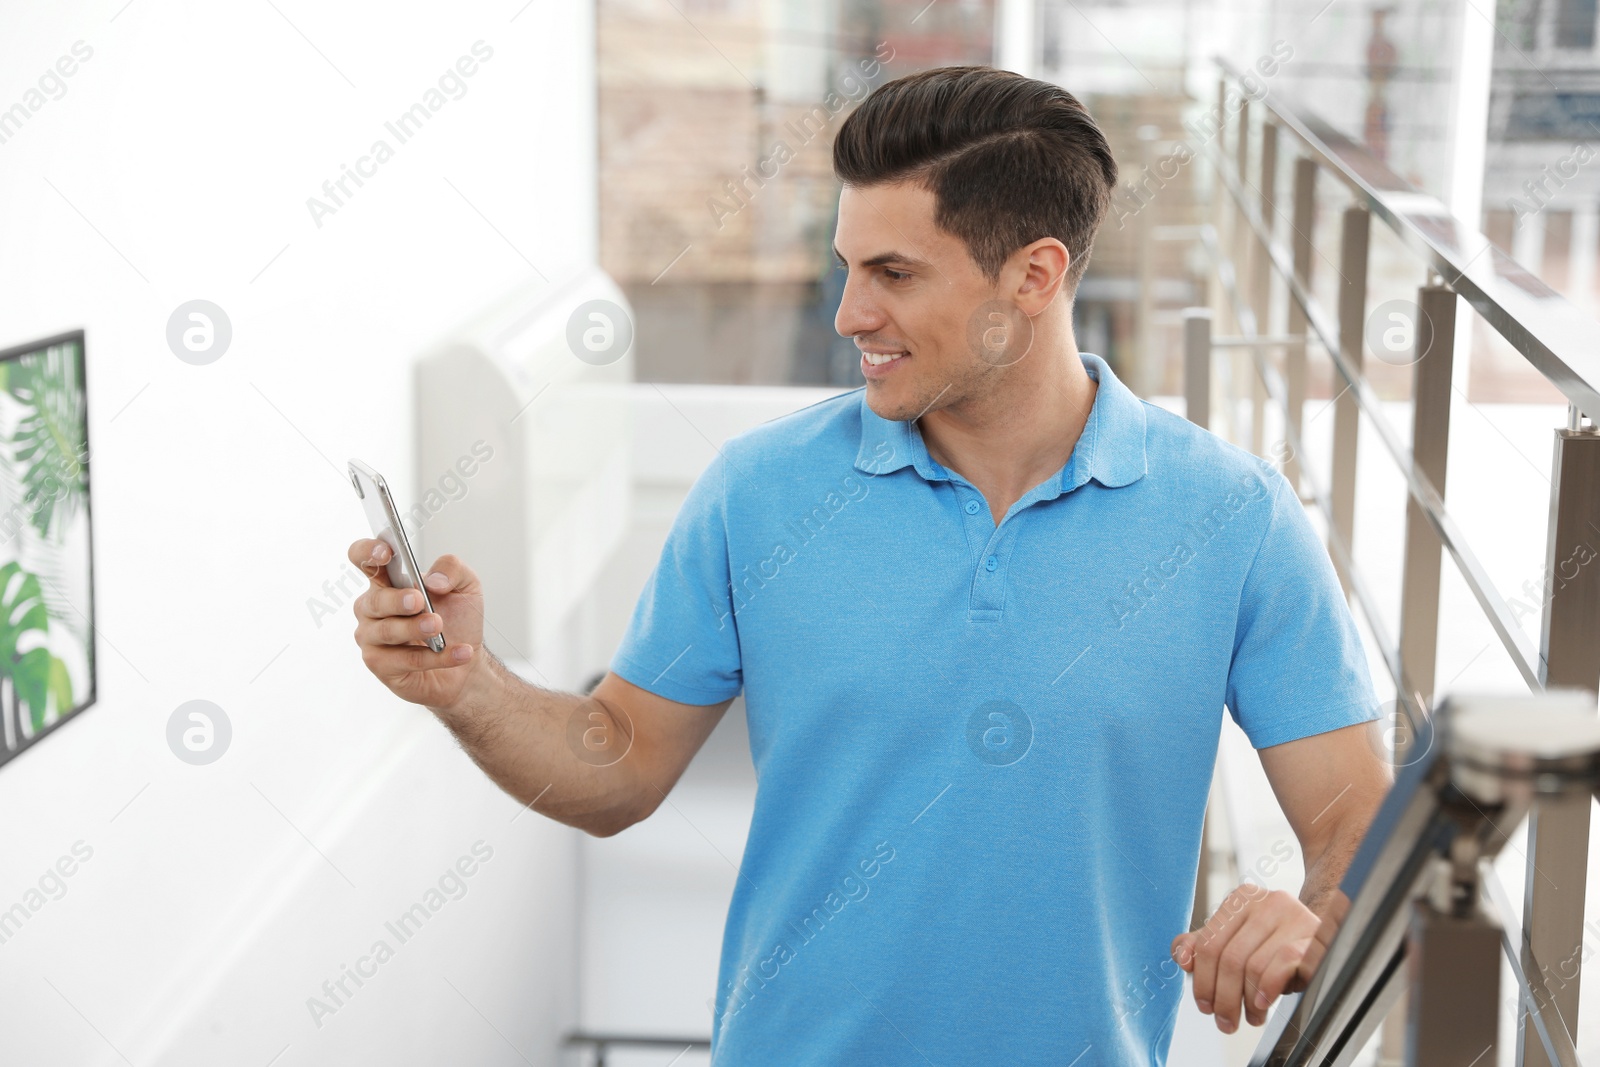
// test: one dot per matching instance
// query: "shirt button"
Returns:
(972, 507)
(990, 563)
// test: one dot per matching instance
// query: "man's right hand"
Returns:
(537, 744)
(391, 627)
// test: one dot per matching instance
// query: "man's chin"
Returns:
(891, 407)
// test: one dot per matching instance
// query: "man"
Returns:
(985, 612)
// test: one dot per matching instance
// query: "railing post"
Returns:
(1434, 338)
(1222, 137)
(1240, 234)
(1569, 652)
(1353, 241)
(1216, 298)
(1197, 406)
(1261, 279)
(1241, 166)
(1260, 295)
(1144, 377)
(1243, 247)
(1197, 365)
(1302, 219)
(1453, 1013)
(1241, 147)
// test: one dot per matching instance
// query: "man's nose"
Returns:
(857, 312)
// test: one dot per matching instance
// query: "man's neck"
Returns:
(1009, 441)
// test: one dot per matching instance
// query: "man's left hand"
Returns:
(1258, 945)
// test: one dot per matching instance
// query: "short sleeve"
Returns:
(682, 642)
(1298, 666)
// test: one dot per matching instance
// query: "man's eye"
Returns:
(895, 275)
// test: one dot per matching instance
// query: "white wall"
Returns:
(177, 165)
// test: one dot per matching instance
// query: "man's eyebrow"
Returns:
(883, 259)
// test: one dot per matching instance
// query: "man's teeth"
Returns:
(878, 359)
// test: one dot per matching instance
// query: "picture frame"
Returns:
(48, 670)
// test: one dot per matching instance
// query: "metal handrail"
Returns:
(1555, 339)
(1560, 341)
(1341, 552)
(1421, 877)
(1523, 656)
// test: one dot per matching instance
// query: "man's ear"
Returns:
(1041, 270)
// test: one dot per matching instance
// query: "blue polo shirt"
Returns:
(982, 750)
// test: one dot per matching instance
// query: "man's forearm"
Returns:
(1325, 870)
(519, 734)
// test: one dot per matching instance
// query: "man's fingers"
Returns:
(1257, 946)
(1271, 970)
(398, 629)
(1334, 909)
(449, 575)
(1228, 990)
(1316, 947)
(370, 554)
(1183, 951)
(380, 602)
(1212, 940)
(1207, 958)
(389, 661)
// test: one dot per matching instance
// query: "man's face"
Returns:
(912, 290)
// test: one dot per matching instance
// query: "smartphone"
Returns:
(384, 518)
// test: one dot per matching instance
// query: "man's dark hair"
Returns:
(1008, 159)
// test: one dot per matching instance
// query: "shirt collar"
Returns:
(1111, 449)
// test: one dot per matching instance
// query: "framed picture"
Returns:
(47, 665)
